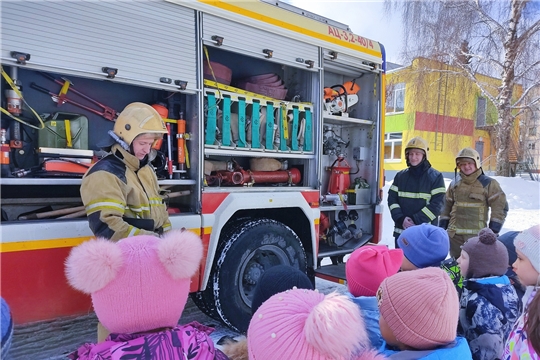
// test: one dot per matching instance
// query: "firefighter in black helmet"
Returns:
(417, 193)
(468, 202)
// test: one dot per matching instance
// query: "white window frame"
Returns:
(392, 139)
(481, 114)
(397, 94)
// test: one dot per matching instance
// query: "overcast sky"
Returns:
(365, 18)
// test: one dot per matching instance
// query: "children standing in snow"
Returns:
(524, 340)
(365, 269)
(489, 303)
(419, 316)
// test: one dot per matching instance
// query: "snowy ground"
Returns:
(54, 339)
(523, 196)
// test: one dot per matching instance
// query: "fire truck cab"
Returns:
(274, 152)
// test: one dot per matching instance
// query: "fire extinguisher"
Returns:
(4, 155)
(339, 176)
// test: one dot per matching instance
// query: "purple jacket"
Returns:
(191, 341)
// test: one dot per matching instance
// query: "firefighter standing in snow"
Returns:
(417, 193)
(468, 200)
(120, 192)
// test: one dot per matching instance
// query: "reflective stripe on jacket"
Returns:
(116, 188)
(467, 204)
(416, 193)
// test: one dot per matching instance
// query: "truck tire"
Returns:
(204, 300)
(246, 252)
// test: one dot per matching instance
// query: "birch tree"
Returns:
(499, 38)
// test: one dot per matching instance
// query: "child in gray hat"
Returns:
(489, 303)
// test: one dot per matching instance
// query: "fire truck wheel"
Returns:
(205, 299)
(247, 251)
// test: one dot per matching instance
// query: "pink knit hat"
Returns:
(421, 307)
(304, 324)
(138, 284)
(368, 266)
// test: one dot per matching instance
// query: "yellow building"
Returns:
(432, 100)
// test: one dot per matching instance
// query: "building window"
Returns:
(396, 99)
(392, 146)
(481, 107)
(532, 131)
(531, 146)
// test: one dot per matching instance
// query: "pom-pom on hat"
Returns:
(277, 279)
(421, 307)
(305, 324)
(138, 284)
(368, 266)
(424, 245)
(487, 255)
(528, 242)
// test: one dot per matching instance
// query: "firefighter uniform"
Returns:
(121, 191)
(468, 201)
(117, 189)
(418, 197)
(416, 192)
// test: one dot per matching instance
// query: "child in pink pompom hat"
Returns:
(307, 325)
(419, 316)
(139, 287)
(365, 269)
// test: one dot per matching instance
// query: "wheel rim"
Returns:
(254, 265)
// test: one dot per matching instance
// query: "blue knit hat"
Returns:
(424, 245)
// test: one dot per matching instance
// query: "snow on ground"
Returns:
(523, 196)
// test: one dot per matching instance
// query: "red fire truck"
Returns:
(274, 154)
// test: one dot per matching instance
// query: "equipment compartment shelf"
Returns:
(229, 151)
(339, 120)
(56, 181)
(341, 207)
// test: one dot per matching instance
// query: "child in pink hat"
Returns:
(139, 287)
(304, 324)
(419, 316)
(365, 269)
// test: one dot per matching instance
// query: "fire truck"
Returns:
(274, 147)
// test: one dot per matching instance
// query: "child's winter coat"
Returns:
(517, 346)
(191, 341)
(489, 310)
(370, 312)
(458, 350)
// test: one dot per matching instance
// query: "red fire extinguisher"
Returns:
(339, 176)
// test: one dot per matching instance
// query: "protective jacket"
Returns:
(417, 192)
(121, 196)
(467, 203)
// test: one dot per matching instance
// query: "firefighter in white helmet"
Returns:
(417, 193)
(468, 202)
(121, 192)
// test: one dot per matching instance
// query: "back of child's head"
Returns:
(487, 256)
(277, 279)
(424, 245)
(368, 266)
(421, 307)
(305, 324)
(140, 283)
(528, 243)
